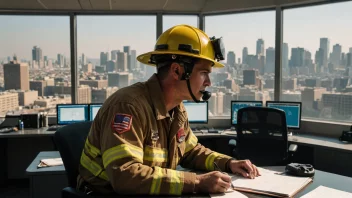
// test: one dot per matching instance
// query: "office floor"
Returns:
(15, 189)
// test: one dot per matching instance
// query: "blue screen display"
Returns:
(236, 105)
(93, 109)
(197, 112)
(292, 111)
(68, 114)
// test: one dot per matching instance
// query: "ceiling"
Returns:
(136, 6)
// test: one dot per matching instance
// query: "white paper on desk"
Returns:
(270, 182)
(229, 194)
(50, 162)
(325, 192)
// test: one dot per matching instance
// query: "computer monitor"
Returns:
(197, 112)
(236, 105)
(71, 113)
(93, 110)
(293, 111)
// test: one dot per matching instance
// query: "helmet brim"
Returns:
(145, 58)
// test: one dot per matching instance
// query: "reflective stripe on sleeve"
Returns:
(122, 151)
(155, 154)
(209, 162)
(191, 142)
(93, 167)
(90, 149)
(156, 183)
(176, 182)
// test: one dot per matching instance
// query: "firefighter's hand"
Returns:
(212, 182)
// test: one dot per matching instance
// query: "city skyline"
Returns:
(104, 33)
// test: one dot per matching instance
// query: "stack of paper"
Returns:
(50, 162)
(271, 183)
(325, 192)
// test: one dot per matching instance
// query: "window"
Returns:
(318, 60)
(172, 20)
(34, 63)
(107, 51)
(250, 59)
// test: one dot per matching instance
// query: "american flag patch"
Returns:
(121, 123)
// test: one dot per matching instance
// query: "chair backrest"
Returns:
(70, 141)
(262, 136)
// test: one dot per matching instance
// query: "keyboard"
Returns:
(7, 130)
(54, 127)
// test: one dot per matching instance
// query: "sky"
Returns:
(302, 28)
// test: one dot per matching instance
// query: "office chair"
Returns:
(262, 136)
(70, 141)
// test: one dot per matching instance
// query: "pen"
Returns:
(218, 169)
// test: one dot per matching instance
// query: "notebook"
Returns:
(325, 192)
(50, 162)
(229, 194)
(271, 183)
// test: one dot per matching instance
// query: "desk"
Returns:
(46, 181)
(18, 149)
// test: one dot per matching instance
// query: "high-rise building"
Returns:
(111, 66)
(94, 83)
(84, 94)
(38, 85)
(122, 62)
(60, 60)
(270, 60)
(285, 55)
(16, 76)
(119, 79)
(99, 95)
(37, 54)
(87, 68)
(319, 58)
(297, 57)
(84, 59)
(27, 97)
(249, 77)
(244, 55)
(114, 54)
(349, 59)
(133, 59)
(8, 101)
(325, 45)
(309, 95)
(127, 50)
(260, 47)
(104, 57)
(231, 58)
(350, 50)
(213, 104)
(340, 104)
(336, 54)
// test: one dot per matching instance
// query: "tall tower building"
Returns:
(231, 58)
(133, 59)
(270, 60)
(37, 54)
(325, 45)
(244, 55)
(122, 62)
(104, 57)
(284, 55)
(84, 59)
(260, 47)
(16, 76)
(297, 57)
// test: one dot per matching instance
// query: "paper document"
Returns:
(325, 192)
(229, 194)
(50, 162)
(271, 183)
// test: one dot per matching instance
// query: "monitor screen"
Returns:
(236, 105)
(197, 112)
(93, 110)
(292, 110)
(71, 113)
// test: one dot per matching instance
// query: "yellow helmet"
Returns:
(187, 41)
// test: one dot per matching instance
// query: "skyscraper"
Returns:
(122, 62)
(16, 76)
(127, 50)
(325, 45)
(297, 57)
(60, 60)
(336, 54)
(231, 58)
(284, 55)
(84, 59)
(260, 47)
(244, 55)
(270, 60)
(37, 54)
(104, 57)
(133, 59)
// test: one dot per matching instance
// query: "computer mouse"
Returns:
(300, 170)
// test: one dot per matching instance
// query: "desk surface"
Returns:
(28, 133)
(33, 170)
